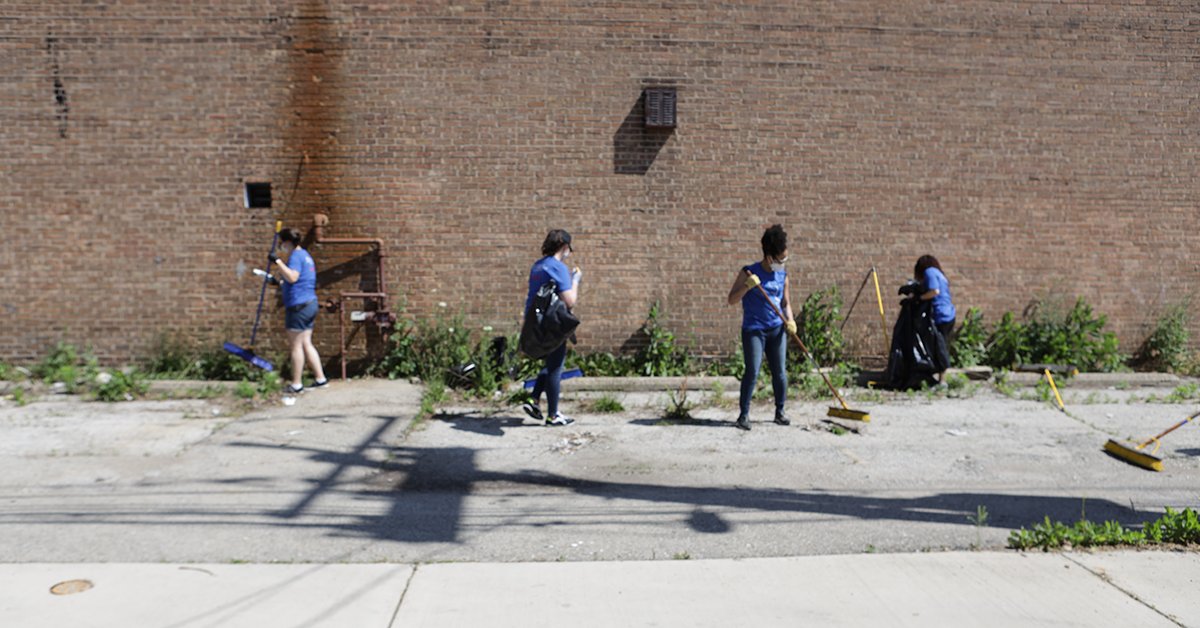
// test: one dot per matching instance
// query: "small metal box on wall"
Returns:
(660, 108)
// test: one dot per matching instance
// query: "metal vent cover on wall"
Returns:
(660, 107)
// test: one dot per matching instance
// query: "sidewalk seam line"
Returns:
(396, 613)
(1131, 594)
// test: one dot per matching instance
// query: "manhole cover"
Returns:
(67, 587)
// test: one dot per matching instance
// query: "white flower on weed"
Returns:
(441, 304)
(487, 328)
(452, 330)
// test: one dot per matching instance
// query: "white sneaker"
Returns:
(560, 419)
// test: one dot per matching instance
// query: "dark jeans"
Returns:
(772, 342)
(549, 379)
(947, 331)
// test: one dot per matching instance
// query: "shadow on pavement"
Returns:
(482, 424)
(424, 489)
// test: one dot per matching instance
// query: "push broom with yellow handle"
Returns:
(1134, 454)
(843, 412)
(1057, 397)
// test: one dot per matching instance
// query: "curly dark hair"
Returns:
(554, 241)
(290, 235)
(774, 241)
(924, 263)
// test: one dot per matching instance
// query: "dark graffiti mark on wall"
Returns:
(61, 108)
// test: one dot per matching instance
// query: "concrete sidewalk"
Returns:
(1002, 589)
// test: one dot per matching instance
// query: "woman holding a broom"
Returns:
(763, 331)
(300, 299)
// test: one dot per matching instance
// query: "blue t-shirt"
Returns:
(544, 270)
(305, 288)
(757, 314)
(943, 307)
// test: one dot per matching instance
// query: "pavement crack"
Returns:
(1104, 577)
(403, 593)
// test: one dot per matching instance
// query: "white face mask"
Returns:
(777, 266)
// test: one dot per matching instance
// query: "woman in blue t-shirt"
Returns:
(936, 288)
(556, 248)
(300, 300)
(762, 329)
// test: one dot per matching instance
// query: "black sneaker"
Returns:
(534, 412)
(743, 423)
(294, 389)
(321, 384)
(782, 419)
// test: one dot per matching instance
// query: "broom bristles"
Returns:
(1133, 456)
(853, 415)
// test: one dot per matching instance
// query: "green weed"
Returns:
(732, 365)
(1003, 384)
(810, 385)
(818, 325)
(602, 364)
(979, 520)
(1177, 527)
(717, 398)
(969, 347)
(1183, 393)
(64, 364)
(120, 386)
(660, 356)
(607, 404)
(245, 390)
(269, 382)
(176, 358)
(1166, 348)
(678, 407)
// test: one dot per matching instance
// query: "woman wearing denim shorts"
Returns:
(300, 298)
(763, 332)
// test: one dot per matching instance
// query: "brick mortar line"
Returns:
(1105, 579)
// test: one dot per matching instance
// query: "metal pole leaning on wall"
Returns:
(887, 343)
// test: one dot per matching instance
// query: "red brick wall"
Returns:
(1035, 147)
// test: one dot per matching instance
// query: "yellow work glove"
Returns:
(752, 280)
(790, 326)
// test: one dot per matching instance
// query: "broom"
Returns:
(843, 412)
(1134, 455)
(247, 354)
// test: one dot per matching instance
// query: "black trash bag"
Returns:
(919, 351)
(548, 323)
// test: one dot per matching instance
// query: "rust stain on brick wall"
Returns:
(313, 115)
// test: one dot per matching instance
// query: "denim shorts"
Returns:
(301, 317)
